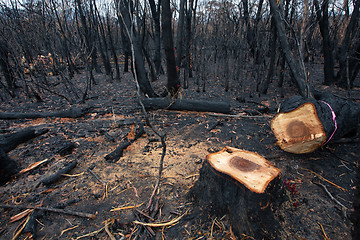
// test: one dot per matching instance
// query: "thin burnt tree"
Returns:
(173, 83)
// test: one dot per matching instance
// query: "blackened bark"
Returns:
(126, 46)
(323, 20)
(8, 167)
(48, 180)
(188, 41)
(173, 83)
(73, 112)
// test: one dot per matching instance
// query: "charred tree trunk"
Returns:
(304, 125)
(173, 83)
(323, 20)
(244, 186)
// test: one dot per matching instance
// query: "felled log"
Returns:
(8, 167)
(69, 113)
(186, 104)
(304, 125)
(243, 185)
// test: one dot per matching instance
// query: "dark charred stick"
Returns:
(79, 214)
(96, 176)
(146, 228)
(119, 151)
(156, 208)
(144, 214)
(55, 177)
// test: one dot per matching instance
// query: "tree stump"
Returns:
(243, 185)
(304, 125)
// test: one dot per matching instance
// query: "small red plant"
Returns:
(291, 186)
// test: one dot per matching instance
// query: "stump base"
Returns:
(249, 212)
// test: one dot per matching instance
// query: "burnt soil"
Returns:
(309, 212)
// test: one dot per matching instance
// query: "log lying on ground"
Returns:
(8, 167)
(304, 125)
(243, 185)
(189, 105)
(70, 113)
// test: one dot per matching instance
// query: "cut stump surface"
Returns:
(300, 130)
(249, 168)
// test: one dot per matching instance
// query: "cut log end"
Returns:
(249, 168)
(300, 130)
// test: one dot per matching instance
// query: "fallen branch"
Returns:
(79, 214)
(343, 208)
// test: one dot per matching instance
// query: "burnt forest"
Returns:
(180, 119)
